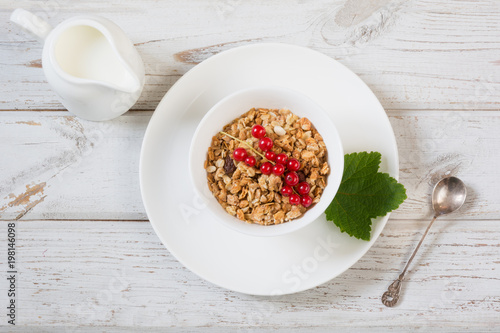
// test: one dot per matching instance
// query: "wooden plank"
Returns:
(118, 273)
(59, 166)
(414, 54)
(56, 166)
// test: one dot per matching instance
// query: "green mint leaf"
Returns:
(364, 194)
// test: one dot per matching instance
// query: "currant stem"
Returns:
(249, 146)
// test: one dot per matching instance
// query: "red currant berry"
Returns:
(306, 201)
(239, 154)
(303, 188)
(286, 191)
(266, 144)
(258, 131)
(250, 161)
(278, 169)
(294, 199)
(293, 164)
(270, 155)
(281, 158)
(266, 168)
(292, 178)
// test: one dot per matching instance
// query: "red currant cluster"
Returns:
(277, 164)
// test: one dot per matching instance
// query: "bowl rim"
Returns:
(283, 228)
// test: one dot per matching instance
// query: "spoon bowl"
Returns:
(448, 195)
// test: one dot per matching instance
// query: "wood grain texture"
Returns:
(413, 54)
(62, 167)
(62, 158)
(118, 273)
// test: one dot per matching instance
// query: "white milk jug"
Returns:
(89, 62)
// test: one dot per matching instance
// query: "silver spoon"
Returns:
(448, 196)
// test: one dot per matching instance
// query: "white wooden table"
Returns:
(86, 253)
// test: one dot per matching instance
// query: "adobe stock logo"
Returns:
(224, 8)
(297, 273)
(194, 208)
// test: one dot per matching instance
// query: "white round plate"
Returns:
(247, 264)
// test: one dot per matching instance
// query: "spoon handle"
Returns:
(391, 296)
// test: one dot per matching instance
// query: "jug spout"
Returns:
(110, 71)
(123, 79)
(31, 23)
(90, 52)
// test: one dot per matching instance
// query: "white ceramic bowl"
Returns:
(235, 105)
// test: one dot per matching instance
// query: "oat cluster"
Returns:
(244, 191)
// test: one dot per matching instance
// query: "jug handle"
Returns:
(31, 23)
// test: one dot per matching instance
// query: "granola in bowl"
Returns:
(248, 194)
